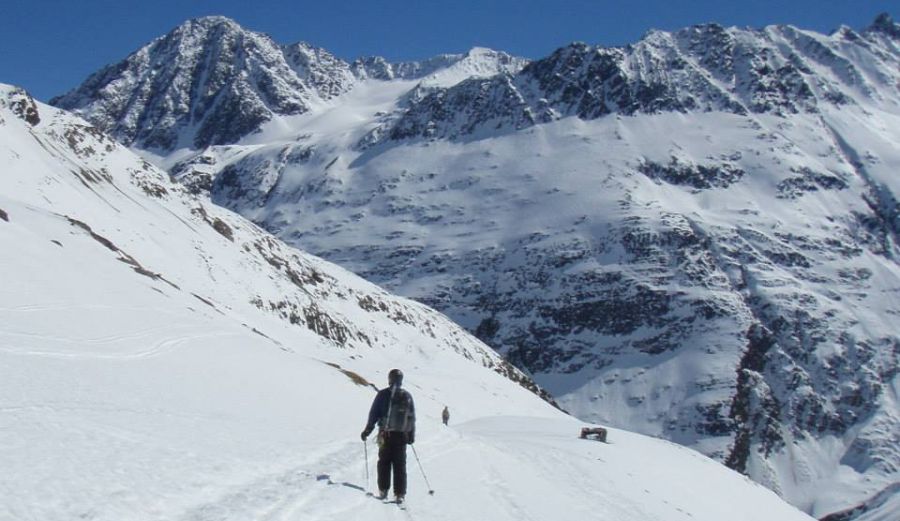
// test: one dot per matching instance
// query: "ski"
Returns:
(401, 504)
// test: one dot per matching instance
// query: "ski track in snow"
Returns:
(158, 348)
(306, 491)
(331, 486)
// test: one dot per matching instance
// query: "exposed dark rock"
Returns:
(699, 177)
(885, 24)
(808, 181)
(353, 376)
(316, 320)
(225, 230)
(217, 224)
(22, 105)
(122, 256)
(755, 411)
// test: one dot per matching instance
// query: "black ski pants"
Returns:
(392, 456)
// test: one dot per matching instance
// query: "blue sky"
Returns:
(50, 46)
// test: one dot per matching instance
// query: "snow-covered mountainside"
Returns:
(217, 252)
(211, 82)
(207, 82)
(695, 236)
(444, 70)
(780, 70)
(161, 358)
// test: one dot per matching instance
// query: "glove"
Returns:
(365, 434)
(410, 438)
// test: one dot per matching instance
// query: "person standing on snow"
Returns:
(394, 413)
(445, 415)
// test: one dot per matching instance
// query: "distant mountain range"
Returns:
(694, 236)
(210, 82)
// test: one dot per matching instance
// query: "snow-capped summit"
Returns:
(327, 74)
(211, 82)
(885, 24)
(478, 62)
(379, 68)
(443, 70)
(207, 82)
(779, 69)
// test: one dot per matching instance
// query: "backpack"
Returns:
(400, 416)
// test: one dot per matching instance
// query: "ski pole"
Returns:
(366, 449)
(416, 454)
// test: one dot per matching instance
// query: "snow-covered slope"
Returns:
(65, 172)
(441, 71)
(752, 319)
(695, 236)
(161, 358)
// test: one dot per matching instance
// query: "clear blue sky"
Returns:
(50, 46)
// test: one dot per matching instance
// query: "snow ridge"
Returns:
(442, 70)
(211, 82)
(780, 70)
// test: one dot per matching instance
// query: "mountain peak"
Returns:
(327, 74)
(885, 24)
(210, 21)
(483, 51)
(215, 26)
(207, 82)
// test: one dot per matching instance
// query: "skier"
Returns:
(394, 412)
(445, 415)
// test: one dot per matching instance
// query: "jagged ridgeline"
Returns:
(693, 236)
(211, 82)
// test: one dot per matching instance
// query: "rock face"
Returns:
(694, 236)
(780, 70)
(326, 74)
(22, 105)
(207, 82)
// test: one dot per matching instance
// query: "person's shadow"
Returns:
(327, 479)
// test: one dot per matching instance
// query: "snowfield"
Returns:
(162, 359)
(227, 428)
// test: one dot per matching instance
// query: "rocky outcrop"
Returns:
(779, 70)
(22, 105)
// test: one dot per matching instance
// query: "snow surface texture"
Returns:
(694, 236)
(148, 372)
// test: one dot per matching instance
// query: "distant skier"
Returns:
(445, 415)
(394, 412)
